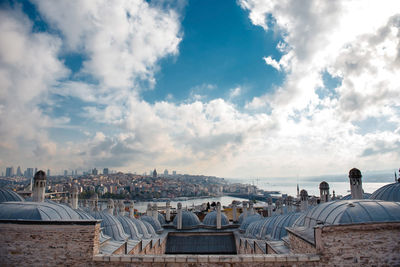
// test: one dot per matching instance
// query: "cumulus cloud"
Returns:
(272, 62)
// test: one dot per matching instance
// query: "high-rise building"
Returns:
(65, 173)
(165, 172)
(155, 173)
(173, 172)
(105, 171)
(35, 171)
(9, 171)
(29, 173)
(19, 173)
(95, 171)
(48, 172)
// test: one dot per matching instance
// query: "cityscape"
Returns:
(188, 133)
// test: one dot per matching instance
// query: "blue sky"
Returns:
(230, 88)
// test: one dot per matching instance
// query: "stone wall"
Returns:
(366, 244)
(48, 243)
(297, 260)
(299, 245)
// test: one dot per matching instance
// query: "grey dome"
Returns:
(37, 211)
(260, 229)
(150, 229)
(161, 219)
(365, 196)
(129, 227)
(141, 227)
(154, 223)
(8, 195)
(249, 219)
(389, 192)
(84, 215)
(111, 226)
(353, 211)
(211, 219)
(189, 220)
(283, 221)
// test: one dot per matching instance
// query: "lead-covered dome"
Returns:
(153, 222)
(189, 220)
(352, 211)
(389, 192)
(111, 226)
(249, 219)
(364, 195)
(37, 211)
(129, 227)
(8, 195)
(211, 219)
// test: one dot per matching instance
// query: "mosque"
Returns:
(358, 230)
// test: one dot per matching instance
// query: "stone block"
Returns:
(258, 258)
(115, 258)
(246, 258)
(159, 259)
(181, 258)
(192, 259)
(213, 258)
(148, 258)
(170, 258)
(126, 258)
(202, 258)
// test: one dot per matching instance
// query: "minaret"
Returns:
(219, 215)
(168, 212)
(234, 212)
(131, 209)
(74, 197)
(324, 192)
(356, 184)
(303, 200)
(110, 206)
(39, 186)
(179, 214)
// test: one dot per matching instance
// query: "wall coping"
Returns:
(33, 222)
(292, 258)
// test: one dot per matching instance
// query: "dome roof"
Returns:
(111, 226)
(189, 220)
(141, 227)
(211, 219)
(283, 221)
(365, 196)
(37, 211)
(249, 219)
(161, 219)
(129, 227)
(153, 222)
(150, 229)
(84, 215)
(324, 186)
(389, 192)
(8, 195)
(353, 211)
(260, 229)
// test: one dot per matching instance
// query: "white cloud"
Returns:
(272, 62)
(234, 92)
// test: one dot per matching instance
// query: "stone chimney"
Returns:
(121, 208)
(269, 207)
(244, 204)
(289, 203)
(74, 197)
(179, 217)
(110, 206)
(324, 192)
(219, 219)
(303, 200)
(155, 212)
(234, 212)
(251, 208)
(131, 209)
(168, 212)
(355, 183)
(149, 210)
(39, 186)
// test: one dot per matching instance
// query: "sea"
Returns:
(283, 186)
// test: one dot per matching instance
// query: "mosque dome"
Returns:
(249, 219)
(283, 221)
(141, 227)
(355, 173)
(84, 215)
(8, 195)
(150, 229)
(161, 219)
(352, 211)
(111, 226)
(153, 222)
(389, 192)
(211, 219)
(189, 220)
(261, 228)
(129, 227)
(324, 186)
(37, 211)
(348, 197)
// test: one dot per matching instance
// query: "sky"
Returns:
(246, 88)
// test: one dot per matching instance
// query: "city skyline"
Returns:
(229, 88)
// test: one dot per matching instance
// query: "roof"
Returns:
(201, 244)
(260, 229)
(150, 229)
(8, 195)
(129, 227)
(365, 196)
(111, 226)
(389, 192)
(249, 219)
(37, 211)
(141, 227)
(189, 220)
(154, 223)
(161, 218)
(211, 219)
(283, 221)
(353, 211)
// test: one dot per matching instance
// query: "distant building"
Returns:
(65, 173)
(155, 173)
(165, 172)
(29, 172)
(48, 172)
(105, 171)
(173, 172)
(9, 171)
(95, 171)
(19, 173)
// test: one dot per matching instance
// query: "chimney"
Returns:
(179, 216)
(132, 209)
(149, 210)
(244, 210)
(121, 207)
(324, 192)
(269, 207)
(74, 197)
(251, 208)
(234, 212)
(39, 186)
(219, 215)
(168, 212)
(110, 206)
(356, 184)
(155, 212)
(303, 200)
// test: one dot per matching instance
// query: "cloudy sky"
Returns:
(229, 88)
